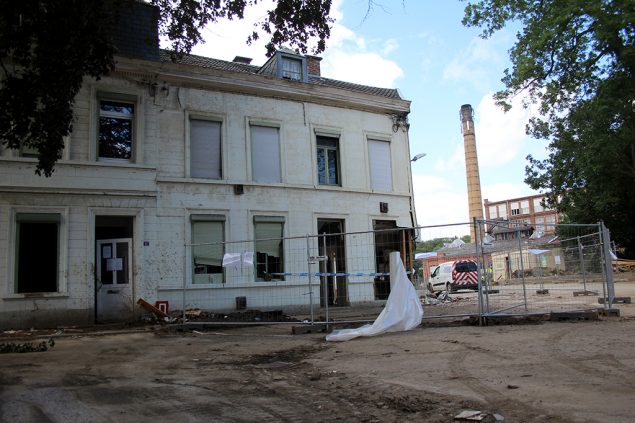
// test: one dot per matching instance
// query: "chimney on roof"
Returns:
(313, 65)
(241, 59)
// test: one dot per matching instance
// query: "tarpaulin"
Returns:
(403, 310)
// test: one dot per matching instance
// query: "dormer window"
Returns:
(292, 68)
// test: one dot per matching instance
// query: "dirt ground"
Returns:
(546, 372)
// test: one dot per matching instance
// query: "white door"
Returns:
(114, 280)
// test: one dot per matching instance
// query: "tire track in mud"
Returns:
(594, 366)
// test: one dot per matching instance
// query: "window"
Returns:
(380, 165)
(116, 130)
(37, 252)
(492, 212)
(28, 151)
(292, 68)
(327, 160)
(268, 232)
(502, 211)
(524, 207)
(538, 207)
(205, 149)
(265, 154)
(208, 235)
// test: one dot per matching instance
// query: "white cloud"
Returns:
(504, 191)
(500, 136)
(437, 202)
(360, 67)
(454, 161)
(226, 39)
(347, 57)
(474, 64)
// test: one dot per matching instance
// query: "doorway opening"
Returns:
(389, 238)
(333, 289)
(113, 271)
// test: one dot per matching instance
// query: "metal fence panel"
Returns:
(344, 277)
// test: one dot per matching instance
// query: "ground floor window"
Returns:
(37, 252)
(208, 235)
(269, 248)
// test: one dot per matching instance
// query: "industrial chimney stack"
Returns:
(471, 167)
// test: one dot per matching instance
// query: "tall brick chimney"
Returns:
(475, 201)
(313, 65)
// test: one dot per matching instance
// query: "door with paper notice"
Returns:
(113, 281)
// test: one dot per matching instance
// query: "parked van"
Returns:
(454, 275)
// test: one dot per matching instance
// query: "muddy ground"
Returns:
(540, 372)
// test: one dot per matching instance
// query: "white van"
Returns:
(453, 275)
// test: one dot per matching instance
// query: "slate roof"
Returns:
(210, 63)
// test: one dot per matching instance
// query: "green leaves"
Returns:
(576, 60)
(47, 47)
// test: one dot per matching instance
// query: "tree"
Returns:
(47, 47)
(576, 60)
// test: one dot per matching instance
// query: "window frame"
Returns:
(136, 97)
(267, 219)
(212, 117)
(30, 214)
(250, 122)
(326, 149)
(207, 218)
(291, 58)
(370, 138)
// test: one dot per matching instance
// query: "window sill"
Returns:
(36, 296)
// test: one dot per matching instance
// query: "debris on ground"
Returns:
(10, 347)
(198, 315)
(470, 415)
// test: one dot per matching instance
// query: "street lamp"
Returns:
(417, 157)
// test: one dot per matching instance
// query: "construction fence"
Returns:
(344, 277)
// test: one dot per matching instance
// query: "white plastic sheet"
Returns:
(403, 310)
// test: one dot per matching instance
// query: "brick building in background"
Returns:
(530, 211)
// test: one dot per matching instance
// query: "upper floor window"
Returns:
(265, 153)
(380, 165)
(205, 149)
(116, 130)
(292, 68)
(327, 160)
(493, 214)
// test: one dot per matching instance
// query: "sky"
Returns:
(421, 48)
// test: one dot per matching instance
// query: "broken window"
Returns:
(268, 233)
(37, 252)
(208, 235)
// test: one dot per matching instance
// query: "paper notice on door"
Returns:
(114, 264)
(106, 252)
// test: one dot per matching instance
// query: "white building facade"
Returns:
(164, 155)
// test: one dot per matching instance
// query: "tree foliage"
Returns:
(47, 47)
(576, 61)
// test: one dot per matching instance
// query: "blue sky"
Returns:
(420, 47)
